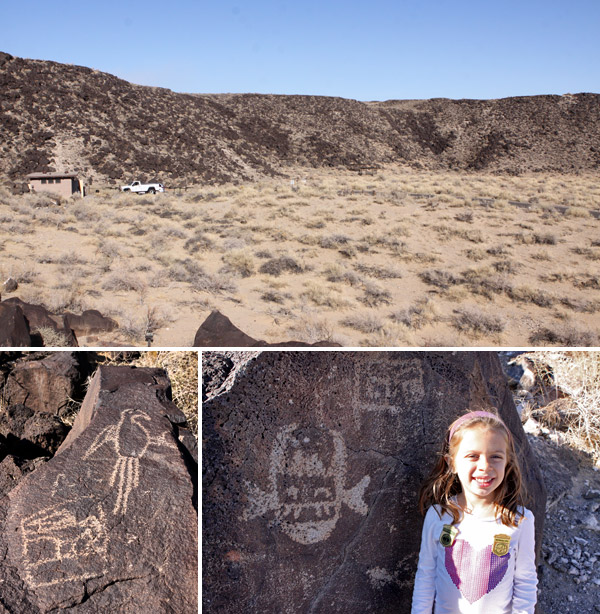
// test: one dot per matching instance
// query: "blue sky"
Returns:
(368, 50)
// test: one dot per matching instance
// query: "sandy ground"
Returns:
(401, 258)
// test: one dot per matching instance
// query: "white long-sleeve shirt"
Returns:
(469, 577)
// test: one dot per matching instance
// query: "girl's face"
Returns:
(480, 463)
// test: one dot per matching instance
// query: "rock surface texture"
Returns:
(109, 524)
(312, 463)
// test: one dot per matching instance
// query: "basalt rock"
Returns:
(219, 331)
(90, 322)
(29, 434)
(109, 524)
(312, 464)
(14, 329)
(39, 318)
(46, 385)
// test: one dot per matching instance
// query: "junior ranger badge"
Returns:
(501, 544)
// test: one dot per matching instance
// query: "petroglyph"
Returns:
(386, 394)
(53, 539)
(129, 439)
(307, 476)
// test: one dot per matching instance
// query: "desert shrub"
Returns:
(466, 216)
(439, 278)
(577, 376)
(182, 369)
(199, 242)
(416, 316)
(138, 326)
(475, 254)
(277, 266)
(186, 270)
(525, 294)
(52, 337)
(580, 305)
(274, 296)
(545, 239)
(311, 329)
(239, 262)
(587, 281)
(338, 273)
(379, 272)
(363, 322)
(506, 266)
(375, 295)
(333, 241)
(323, 296)
(564, 336)
(123, 282)
(587, 252)
(498, 250)
(472, 319)
(263, 253)
(215, 284)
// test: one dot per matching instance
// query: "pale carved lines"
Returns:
(53, 537)
(129, 439)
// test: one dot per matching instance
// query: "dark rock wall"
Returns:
(116, 131)
(312, 464)
(109, 522)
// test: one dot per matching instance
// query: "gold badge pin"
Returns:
(448, 535)
(501, 545)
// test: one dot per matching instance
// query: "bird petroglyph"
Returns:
(129, 439)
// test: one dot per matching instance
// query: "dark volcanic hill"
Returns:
(57, 117)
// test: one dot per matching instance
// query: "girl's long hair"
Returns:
(442, 485)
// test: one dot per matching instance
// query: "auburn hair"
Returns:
(442, 485)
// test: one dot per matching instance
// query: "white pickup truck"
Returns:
(143, 188)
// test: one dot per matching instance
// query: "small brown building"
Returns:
(63, 184)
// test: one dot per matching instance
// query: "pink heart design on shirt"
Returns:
(474, 572)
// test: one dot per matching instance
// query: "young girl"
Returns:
(477, 549)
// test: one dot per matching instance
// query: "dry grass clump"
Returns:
(239, 262)
(564, 335)
(416, 316)
(323, 295)
(363, 322)
(182, 369)
(277, 266)
(472, 319)
(440, 278)
(577, 376)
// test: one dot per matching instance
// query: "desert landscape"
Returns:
(400, 223)
(397, 258)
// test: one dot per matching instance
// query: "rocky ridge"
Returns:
(58, 117)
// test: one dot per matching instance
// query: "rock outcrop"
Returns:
(109, 524)
(47, 385)
(125, 130)
(312, 463)
(27, 325)
(14, 329)
(219, 331)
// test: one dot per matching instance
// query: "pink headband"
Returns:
(469, 416)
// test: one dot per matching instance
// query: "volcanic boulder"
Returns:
(312, 463)
(14, 329)
(219, 331)
(109, 524)
(46, 385)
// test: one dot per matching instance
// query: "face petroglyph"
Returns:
(307, 476)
